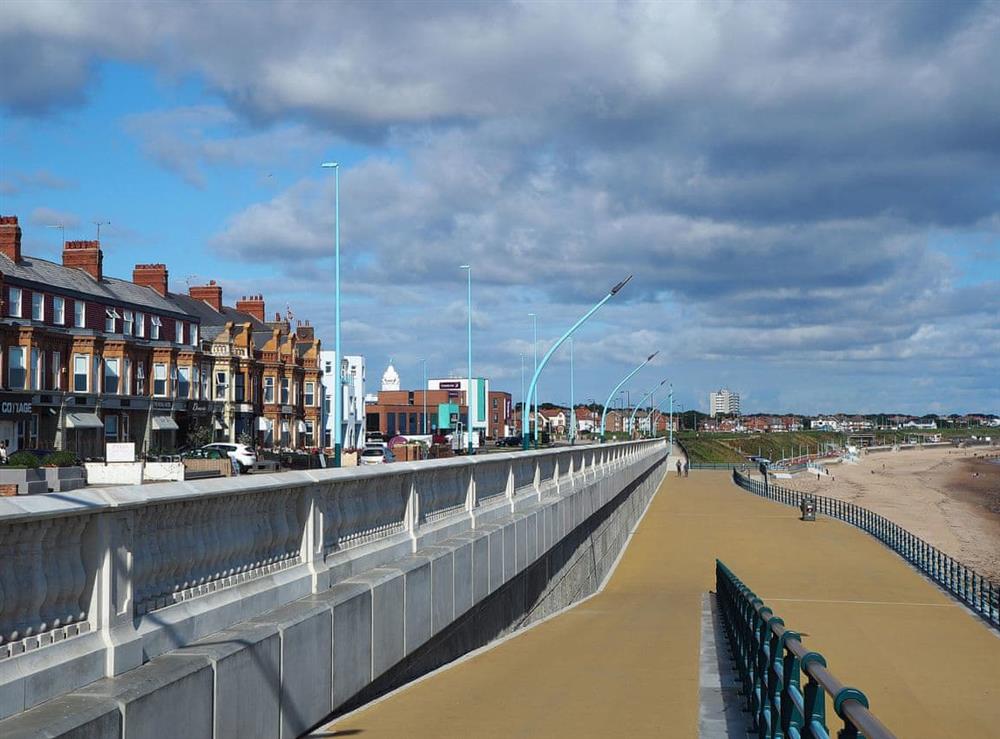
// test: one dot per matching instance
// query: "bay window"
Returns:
(16, 372)
(220, 385)
(268, 389)
(183, 382)
(310, 393)
(140, 378)
(37, 370)
(284, 391)
(160, 380)
(239, 387)
(81, 373)
(57, 370)
(111, 376)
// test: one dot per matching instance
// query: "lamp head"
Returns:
(464, 266)
(330, 165)
(620, 285)
(650, 357)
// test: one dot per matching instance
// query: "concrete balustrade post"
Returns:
(509, 493)
(313, 540)
(411, 515)
(471, 501)
(108, 547)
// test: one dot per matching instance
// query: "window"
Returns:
(206, 379)
(57, 370)
(159, 380)
(220, 385)
(123, 435)
(37, 370)
(81, 373)
(194, 334)
(295, 393)
(328, 368)
(110, 316)
(16, 373)
(183, 382)
(15, 302)
(128, 328)
(111, 428)
(97, 373)
(284, 391)
(268, 389)
(310, 393)
(310, 428)
(127, 377)
(240, 387)
(37, 306)
(58, 310)
(111, 376)
(140, 324)
(140, 378)
(27, 432)
(154, 327)
(79, 314)
(195, 381)
(179, 332)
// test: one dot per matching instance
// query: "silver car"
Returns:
(376, 455)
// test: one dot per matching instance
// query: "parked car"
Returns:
(244, 455)
(205, 453)
(376, 455)
(509, 441)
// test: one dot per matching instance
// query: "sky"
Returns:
(807, 194)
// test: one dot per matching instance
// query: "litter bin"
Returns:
(808, 508)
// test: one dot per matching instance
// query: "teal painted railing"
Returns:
(771, 659)
(977, 592)
(711, 465)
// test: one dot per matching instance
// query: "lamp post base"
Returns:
(336, 455)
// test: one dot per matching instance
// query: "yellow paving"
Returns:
(625, 663)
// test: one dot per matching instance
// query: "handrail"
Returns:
(974, 590)
(770, 659)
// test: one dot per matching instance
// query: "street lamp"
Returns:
(338, 395)
(534, 349)
(659, 413)
(523, 409)
(423, 392)
(534, 380)
(631, 420)
(626, 378)
(572, 404)
(468, 395)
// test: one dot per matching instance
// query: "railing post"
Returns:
(313, 542)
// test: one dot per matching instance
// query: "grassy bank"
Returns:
(723, 447)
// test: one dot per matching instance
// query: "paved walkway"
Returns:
(625, 663)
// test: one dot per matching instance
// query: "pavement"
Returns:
(626, 661)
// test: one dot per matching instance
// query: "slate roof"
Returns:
(211, 317)
(75, 281)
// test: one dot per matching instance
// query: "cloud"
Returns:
(50, 217)
(17, 183)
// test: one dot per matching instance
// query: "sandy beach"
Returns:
(948, 497)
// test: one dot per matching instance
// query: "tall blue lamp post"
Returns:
(631, 420)
(338, 395)
(524, 413)
(659, 411)
(671, 417)
(572, 402)
(534, 349)
(468, 395)
(534, 380)
(423, 392)
(626, 378)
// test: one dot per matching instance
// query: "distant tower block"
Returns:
(724, 402)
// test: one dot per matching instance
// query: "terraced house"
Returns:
(86, 359)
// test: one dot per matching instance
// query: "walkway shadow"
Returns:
(720, 709)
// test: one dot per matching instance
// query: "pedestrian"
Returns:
(678, 468)
(687, 465)
(3, 452)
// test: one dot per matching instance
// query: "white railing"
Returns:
(116, 560)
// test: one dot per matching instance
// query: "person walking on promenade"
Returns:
(678, 468)
(687, 466)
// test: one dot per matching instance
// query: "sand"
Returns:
(946, 496)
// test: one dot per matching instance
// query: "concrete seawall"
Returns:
(392, 618)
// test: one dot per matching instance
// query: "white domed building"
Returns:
(390, 378)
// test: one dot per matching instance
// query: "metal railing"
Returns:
(771, 659)
(976, 591)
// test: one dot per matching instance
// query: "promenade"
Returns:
(625, 662)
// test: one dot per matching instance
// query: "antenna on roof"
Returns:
(99, 224)
(187, 280)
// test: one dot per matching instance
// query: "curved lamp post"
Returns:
(468, 394)
(626, 378)
(534, 380)
(631, 420)
(659, 411)
(534, 351)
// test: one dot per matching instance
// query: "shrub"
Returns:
(60, 459)
(24, 460)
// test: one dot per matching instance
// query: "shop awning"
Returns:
(83, 421)
(164, 423)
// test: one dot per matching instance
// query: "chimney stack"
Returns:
(85, 255)
(210, 293)
(151, 275)
(253, 305)
(10, 238)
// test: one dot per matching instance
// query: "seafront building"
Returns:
(352, 400)
(86, 359)
(724, 402)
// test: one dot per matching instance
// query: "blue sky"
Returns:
(807, 194)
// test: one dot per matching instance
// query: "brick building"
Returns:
(87, 359)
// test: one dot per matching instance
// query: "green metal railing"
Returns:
(711, 465)
(977, 592)
(771, 660)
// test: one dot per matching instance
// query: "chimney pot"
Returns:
(154, 276)
(253, 305)
(210, 293)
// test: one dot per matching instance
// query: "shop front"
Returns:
(17, 421)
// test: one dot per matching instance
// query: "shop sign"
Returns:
(199, 407)
(120, 452)
(450, 385)
(14, 406)
(286, 409)
(162, 405)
